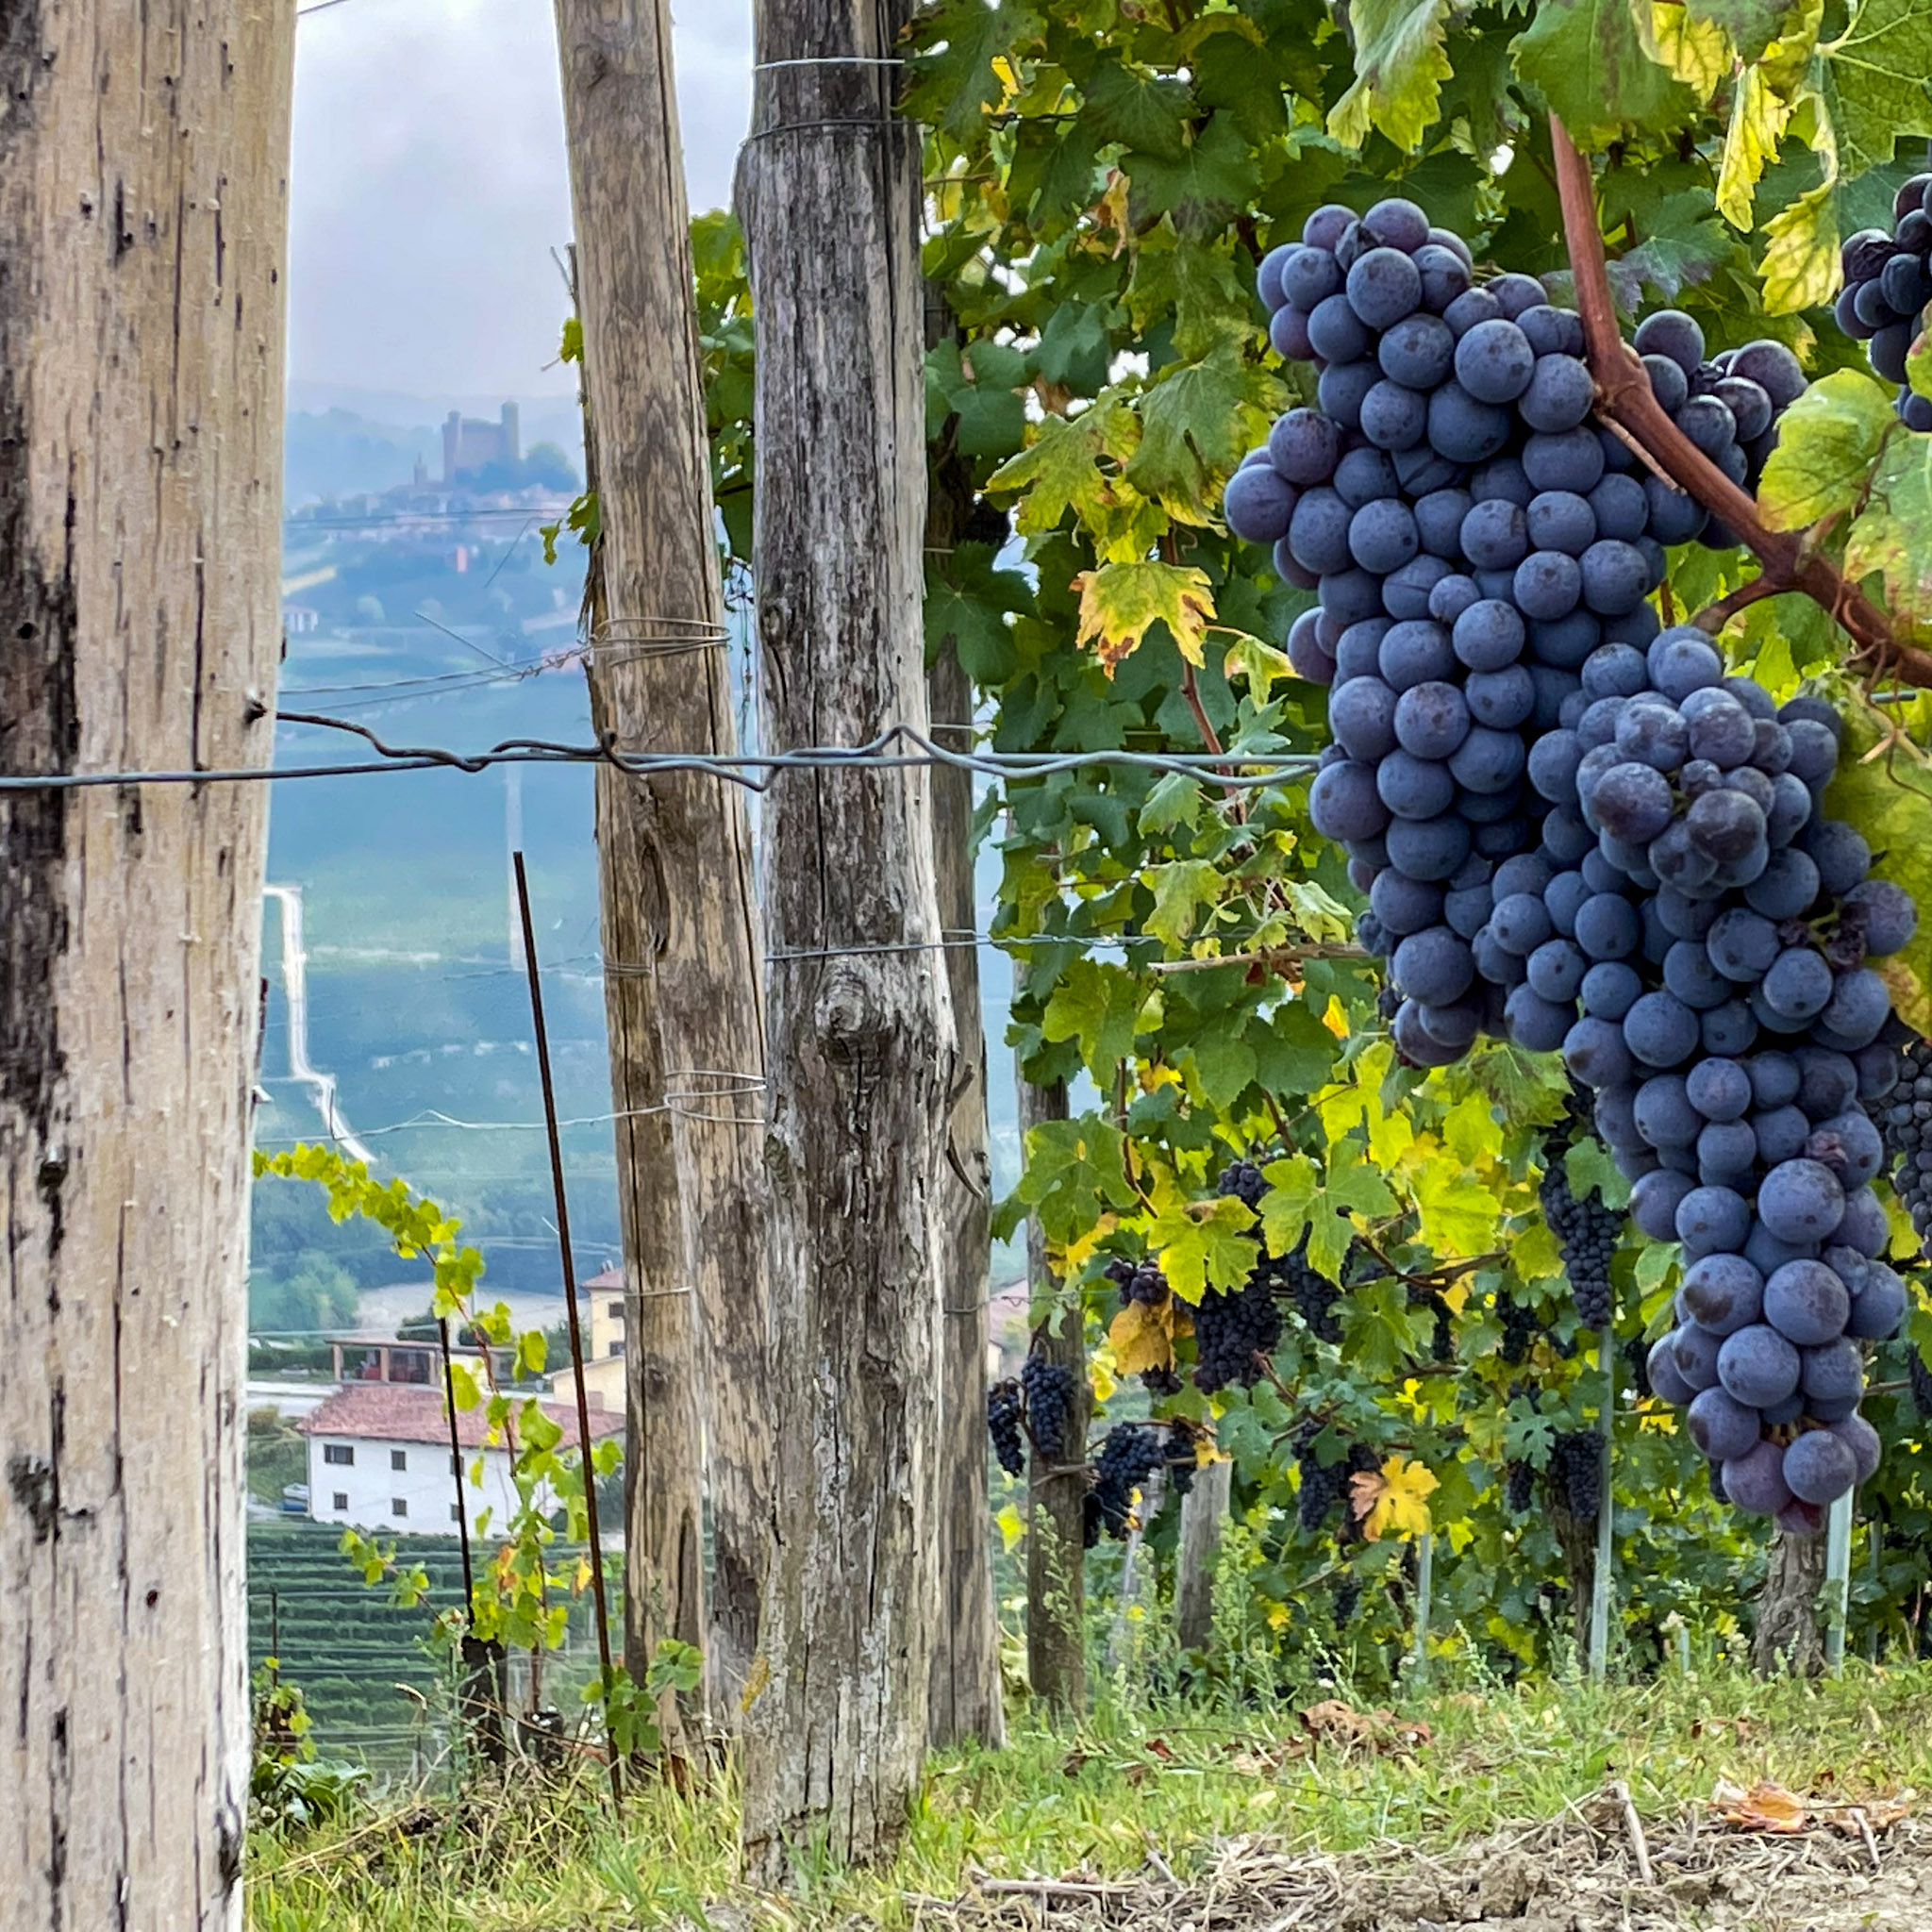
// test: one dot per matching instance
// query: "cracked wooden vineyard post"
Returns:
(143, 165)
(861, 1048)
(966, 1690)
(682, 972)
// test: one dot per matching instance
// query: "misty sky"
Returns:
(429, 186)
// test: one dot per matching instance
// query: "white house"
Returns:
(379, 1458)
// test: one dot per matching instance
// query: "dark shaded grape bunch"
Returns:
(1131, 1453)
(1906, 1121)
(1234, 1334)
(1319, 1489)
(1048, 1387)
(1587, 1231)
(1002, 1412)
(1921, 1377)
(1521, 1327)
(1637, 1367)
(1315, 1297)
(1141, 1281)
(1162, 1380)
(1519, 1488)
(1348, 1595)
(1577, 1464)
(1242, 1180)
(1888, 284)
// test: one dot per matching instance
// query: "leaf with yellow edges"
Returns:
(1392, 1500)
(1143, 1337)
(1120, 602)
(1759, 118)
(1696, 50)
(1800, 267)
(1400, 66)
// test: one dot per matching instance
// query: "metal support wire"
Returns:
(1229, 770)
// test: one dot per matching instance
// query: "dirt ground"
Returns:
(1579, 1873)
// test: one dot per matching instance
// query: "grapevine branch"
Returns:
(1625, 400)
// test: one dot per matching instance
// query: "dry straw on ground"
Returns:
(1805, 1871)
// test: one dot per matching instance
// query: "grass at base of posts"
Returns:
(1439, 1773)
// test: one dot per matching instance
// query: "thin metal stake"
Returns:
(570, 1305)
(1837, 1581)
(1425, 1584)
(1606, 1519)
(456, 1466)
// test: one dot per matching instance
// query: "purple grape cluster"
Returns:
(1733, 1035)
(1048, 1387)
(1004, 1411)
(1888, 283)
(1131, 1453)
(1907, 1124)
(1475, 538)
(1588, 1233)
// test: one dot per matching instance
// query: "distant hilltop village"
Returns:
(470, 443)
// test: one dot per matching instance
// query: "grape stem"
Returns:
(1625, 400)
(1267, 956)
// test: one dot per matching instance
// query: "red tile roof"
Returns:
(400, 1412)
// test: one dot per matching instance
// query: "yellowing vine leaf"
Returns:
(1392, 1500)
(1695, 49)
(1800, 266)
(1759, 118)
(1400, 66)
(1118, 602)
(1143, 1337)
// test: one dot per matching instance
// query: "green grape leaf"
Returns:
(1588, 1165)
(1459, 1213)
(1175, 801)
(1138, 110)
(1064, 467)
(1751, 24)
(952, 88)
(1400, 65)
(1295, 1186)
(1296, 1052)
(1588, 60)
(1075, 1171)
(1828, 441)
(1224, 1064)
(1234, 67)
(1877, 86)
(1201, 188)
(1919, 367)
(1196, 425)
(1096, 1004)
(968, 600)
(1074, 349)
(1204, 1244)
(1056, 171)
(1179, 888)
(1890, 536)
(1799, 267)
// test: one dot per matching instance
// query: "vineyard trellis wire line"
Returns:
(1232, 768)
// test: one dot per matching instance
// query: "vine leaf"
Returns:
(1196, 424)
(1876, 81)
(1392, 1500)
(1828, 440)
(1143, 1336)
(1589, 62)
(1120, 602)
(1098, 1005)
(1888, 798)
(1204, 1244)
(1400, 66)
(1889, 536)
